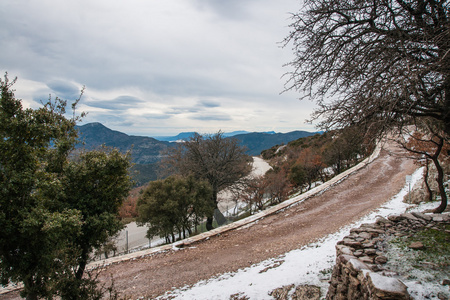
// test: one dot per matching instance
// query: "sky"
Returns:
(157, 67)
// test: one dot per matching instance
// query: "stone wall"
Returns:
(360, 271)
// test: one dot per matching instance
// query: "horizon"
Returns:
(243, 131)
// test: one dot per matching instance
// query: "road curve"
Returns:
(273, 235)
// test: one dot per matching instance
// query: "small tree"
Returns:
(430, 143)
(36, 232)
(308, 167)
(218, 160)
(254, 192)
(345, 149)
(278, 186)
(96, 184)
(298, 176)
(174, 205)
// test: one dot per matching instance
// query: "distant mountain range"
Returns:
(256, 142)
(147, 151)
(187, 135)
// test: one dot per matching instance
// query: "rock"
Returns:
(409, 216)
(438, 218)
(416, 246)
(395, 218)
(369, 244)
(442, 296)
(282, 292)
(352, 243)
(343, 259)
(306, 292)
(381, 260)
(342, 249)
(382, 220)
(370, 251)
(365, 235)
(357, 265)
(422, 216)
(386, 287)
(362, 273)
(366, 259)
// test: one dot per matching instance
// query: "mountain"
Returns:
(179, 137)
(187, 135)
(259, 141)
(144, 150)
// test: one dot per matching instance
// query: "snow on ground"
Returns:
(260, 166)
(226, 203)
(311, 264)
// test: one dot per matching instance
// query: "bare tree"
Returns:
(429, 143)
(254, 192)
(218, 160)
(383, 63)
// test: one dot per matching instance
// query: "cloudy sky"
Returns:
(153, 67)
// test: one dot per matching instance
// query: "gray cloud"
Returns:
(183, 110)
(64, 89)
(201, 63)
(157, 116)
(119, 103)
(231, 9)
(209, 103)
(211, 117)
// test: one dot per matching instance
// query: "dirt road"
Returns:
(290, 229)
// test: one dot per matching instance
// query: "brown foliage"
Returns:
(128, 208)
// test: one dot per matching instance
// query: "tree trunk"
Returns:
(427, 169)
(32, 296)
(209, 219)
(440, 178)
(29, 288)
(82, 264)
(209, 223)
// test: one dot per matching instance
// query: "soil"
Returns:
(289, 229)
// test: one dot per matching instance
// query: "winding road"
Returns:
(274, 235)
(291, 228)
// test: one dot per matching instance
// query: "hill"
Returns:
(146, 152)
(256, 142)
(187, 135)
